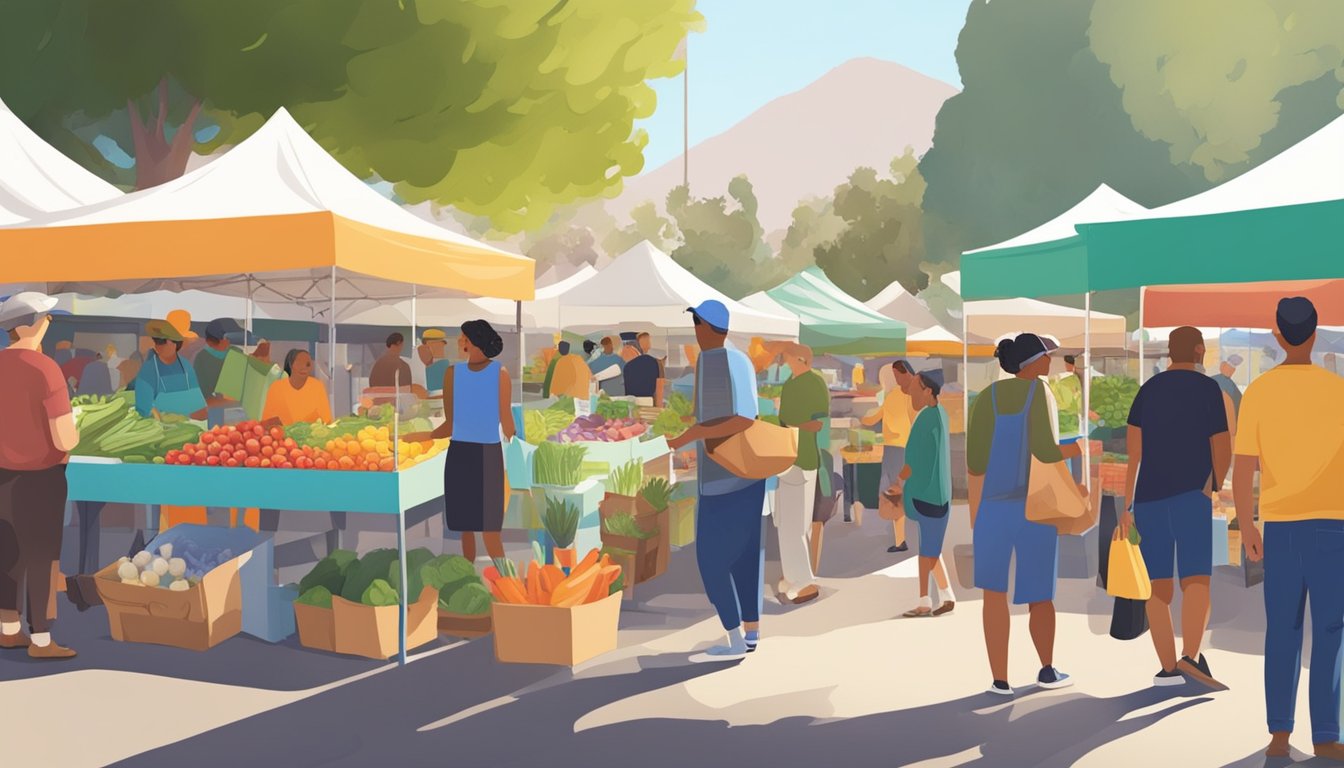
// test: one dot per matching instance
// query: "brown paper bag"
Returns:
(761, 451)
(1054, 499)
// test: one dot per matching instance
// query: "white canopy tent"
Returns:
(1103, 204)
(997, 318)
(645, 288)
(899, 304)
(540, 314)
(36, 179)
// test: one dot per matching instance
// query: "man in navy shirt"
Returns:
(1179, 454)
(642, 373)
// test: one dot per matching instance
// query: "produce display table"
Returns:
(862, 472)
(378, 493)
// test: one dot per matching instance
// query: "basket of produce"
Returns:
(1113, 474)
(350, 605)
(110, 427)
(1112, 397)
(546, 617)
(623, 486)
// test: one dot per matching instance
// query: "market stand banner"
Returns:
(1240, 305)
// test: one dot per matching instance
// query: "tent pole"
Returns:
(965, 370)
(414, 334)
(331, 345)
(1143, 373)
(247, 336)
(522, 348)
(1087, 390)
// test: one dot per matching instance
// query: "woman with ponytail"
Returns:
(1010, 423)
(477, 408)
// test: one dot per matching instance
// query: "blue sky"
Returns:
(756, 50)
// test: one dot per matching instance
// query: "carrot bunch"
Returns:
(589, 581)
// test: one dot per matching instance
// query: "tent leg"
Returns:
(414, 318)
(1143, 372)
(331, 346)
(522, 348)
(247, 335)
(965, 369)
(1087, 390)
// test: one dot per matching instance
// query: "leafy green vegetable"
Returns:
(681, 405)
(379, 593)
(668, 424)
(557, 464)
(415, 563)
(658, 493)
(625, 525)
(364, 571)
(447, 573)
(618, 584)
(626, 479)
(561, 521)
(329, 572)
(1112, 397)
(318, 596)
(564, 404)
(470, 600)
(614, 409)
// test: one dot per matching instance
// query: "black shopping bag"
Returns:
(1129, 619)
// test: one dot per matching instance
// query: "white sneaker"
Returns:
(719, 654)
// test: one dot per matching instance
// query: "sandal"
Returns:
(945, 608)
(917, 613)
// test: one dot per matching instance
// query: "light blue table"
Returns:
(375, 493)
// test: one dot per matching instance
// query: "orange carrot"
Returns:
(534, 583)
(574, 590)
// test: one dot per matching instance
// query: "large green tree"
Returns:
(1206, 77)
(723, 244)
(501, 108)
(883, 239)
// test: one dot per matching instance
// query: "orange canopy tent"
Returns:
(1238, 305)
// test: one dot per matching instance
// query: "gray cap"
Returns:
(1234, 360)
(17, 309)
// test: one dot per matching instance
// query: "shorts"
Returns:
(1002, 530)
(893, 461)
(932, 531)
(1177, 529)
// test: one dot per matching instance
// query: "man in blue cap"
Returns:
(729, 523)
(1292, 430)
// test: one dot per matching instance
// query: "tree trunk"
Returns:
(158, 160)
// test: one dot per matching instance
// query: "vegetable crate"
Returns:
(1113, 477)
(367, 630)
(651, 554)
(541, 634)
(199, 618)
(463, 625)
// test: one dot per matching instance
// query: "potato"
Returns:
(149, 578)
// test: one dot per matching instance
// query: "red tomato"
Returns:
(212, 461)
(253, 447)
(285, 465)
(252, 461)
(183, 459)
(277, 433)
(282, 452)
(319, 463)
(236, 438)
(290, 444)
(265, 462)
(171, 456)
(207, 438)
(230, 462)
(267, 451)
(267, 440)
(213, 449)
(257, 431)
(198, 459)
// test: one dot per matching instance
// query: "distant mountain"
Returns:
(801, 145)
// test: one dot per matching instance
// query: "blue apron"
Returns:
(1009, 454)
(185, 401)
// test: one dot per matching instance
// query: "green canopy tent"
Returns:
(831, 321)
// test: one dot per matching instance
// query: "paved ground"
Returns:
(839, 681)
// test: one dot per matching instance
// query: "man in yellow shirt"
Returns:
(896, 415)
(1291, 431)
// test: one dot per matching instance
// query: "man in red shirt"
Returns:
(35, 444)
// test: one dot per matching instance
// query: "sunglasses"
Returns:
(159, 342)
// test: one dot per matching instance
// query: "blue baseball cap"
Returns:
(712, 312)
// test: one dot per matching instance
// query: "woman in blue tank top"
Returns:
(477, 410)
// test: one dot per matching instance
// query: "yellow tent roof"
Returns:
(276, 213)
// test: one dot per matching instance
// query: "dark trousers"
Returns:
(730, 553)
(32, 518)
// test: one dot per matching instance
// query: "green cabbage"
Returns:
(471, 600)
(379, 593)
(318, 596)
(362, 572)
(415, 562)
(448, 573)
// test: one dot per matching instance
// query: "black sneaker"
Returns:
(1000, 688)
(902, 548)
(1051, 678)
(1164, 678)
(1199, 671)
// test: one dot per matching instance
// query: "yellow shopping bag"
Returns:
(1127, 576)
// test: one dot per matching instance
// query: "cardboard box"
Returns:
(198, 619)
(462, 625)
(317, 627)
(372, 631)
(538, 634)
(651, 554)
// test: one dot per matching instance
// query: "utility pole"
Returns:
(686, 113)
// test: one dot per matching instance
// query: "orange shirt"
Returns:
(292, 406)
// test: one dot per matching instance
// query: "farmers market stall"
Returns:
(830, 320)
(293, 227)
